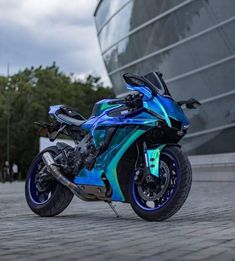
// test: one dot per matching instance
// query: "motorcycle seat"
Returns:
(71, 116)
(70, 120)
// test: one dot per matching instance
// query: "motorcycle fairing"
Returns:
(162, 105)
(108, 161)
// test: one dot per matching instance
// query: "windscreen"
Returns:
(156, 83)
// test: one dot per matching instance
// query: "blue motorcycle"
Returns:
(127, 151)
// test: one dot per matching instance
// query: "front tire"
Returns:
(176, 190)
(53, 198)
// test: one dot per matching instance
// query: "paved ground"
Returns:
(203, 229)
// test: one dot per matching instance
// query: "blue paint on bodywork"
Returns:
(89, 177)
(172, 109)
(108, 161)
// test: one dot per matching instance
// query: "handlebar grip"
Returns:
(117, 102)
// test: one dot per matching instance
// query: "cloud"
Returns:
(38, 32)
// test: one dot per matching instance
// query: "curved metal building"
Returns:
(192, 42)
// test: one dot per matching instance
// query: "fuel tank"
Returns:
(101, 106)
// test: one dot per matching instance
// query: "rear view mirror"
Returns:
(133, 80)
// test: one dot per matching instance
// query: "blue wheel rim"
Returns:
(142, 203)
(35, 195)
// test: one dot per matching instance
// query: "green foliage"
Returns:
(30, 94)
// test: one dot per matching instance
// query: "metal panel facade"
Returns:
(192, 43)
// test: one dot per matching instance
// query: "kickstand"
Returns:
(114, 209)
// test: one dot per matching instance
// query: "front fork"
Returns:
(151, 164)
(152, 159)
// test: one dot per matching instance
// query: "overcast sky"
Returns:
(38, 32)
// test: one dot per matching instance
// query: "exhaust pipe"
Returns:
(54, 170)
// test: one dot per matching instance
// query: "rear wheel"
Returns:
(158, 198)
(45, 196)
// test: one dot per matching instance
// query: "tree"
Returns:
(31, 92)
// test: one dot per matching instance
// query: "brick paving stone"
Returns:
(202, 230)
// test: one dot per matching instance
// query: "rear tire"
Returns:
(60, 196)
(179, 193)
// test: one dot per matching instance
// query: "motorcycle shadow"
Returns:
(97, 217)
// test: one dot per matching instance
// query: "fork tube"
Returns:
(146, 158)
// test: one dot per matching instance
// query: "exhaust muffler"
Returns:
(54, 170)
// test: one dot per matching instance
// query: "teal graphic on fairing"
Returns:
(126, 151)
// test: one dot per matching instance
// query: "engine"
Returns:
(85, 154)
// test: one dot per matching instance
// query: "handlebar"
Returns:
(118, 102)
(129, 99)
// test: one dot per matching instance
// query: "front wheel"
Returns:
(158, 198)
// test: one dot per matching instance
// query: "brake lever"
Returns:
(190, 104)
(193, 104)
